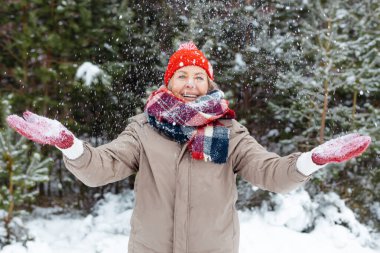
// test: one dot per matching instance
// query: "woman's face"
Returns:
(188, 83)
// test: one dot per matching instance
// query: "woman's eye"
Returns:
(200, 78)
(181, 76)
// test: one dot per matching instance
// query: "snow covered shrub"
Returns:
(20, 172)
(301, 212)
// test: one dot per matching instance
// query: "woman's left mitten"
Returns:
(340, 149)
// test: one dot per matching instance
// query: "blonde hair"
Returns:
(212, 85)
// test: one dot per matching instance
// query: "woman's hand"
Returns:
(41, 130)
(340, 149)
(334, 151)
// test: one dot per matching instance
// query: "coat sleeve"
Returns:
(107, 163)
(267, 170)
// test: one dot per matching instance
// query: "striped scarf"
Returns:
(193, 122)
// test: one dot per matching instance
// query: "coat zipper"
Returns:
(188, 203)
(181, 154)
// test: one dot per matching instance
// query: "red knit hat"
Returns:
(187, 55)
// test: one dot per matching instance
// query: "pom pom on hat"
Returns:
(187, 55)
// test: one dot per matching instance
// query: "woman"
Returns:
(187, 150)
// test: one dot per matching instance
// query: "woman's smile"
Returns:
(189, 97)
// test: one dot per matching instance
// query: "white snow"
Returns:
(240, 64)
(89, 73)
(107, 229)
(351, 79)
(273, 133)
(341, 13)
(375, 208)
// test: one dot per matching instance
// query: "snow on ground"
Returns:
(106, 230)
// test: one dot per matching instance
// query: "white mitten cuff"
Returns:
(305, 164)
(75, 151)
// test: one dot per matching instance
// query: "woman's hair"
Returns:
(212, 85)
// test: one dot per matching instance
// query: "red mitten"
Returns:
(340, 149)
(41, 130)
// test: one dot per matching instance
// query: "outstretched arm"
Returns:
(93, 166)
(272, 172)
(267, 170)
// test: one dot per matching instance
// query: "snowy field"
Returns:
(262, 231)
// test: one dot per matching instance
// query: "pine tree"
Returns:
(319, 89)
(21, 169)
(335, 91)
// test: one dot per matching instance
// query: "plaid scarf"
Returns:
(193, 122)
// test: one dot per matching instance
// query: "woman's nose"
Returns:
(190, 83)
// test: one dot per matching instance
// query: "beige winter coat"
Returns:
(184, 205)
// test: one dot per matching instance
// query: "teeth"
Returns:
(189, 96)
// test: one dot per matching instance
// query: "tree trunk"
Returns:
(9, 161)
(327, 47)
(324, 111)
(355, 96)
